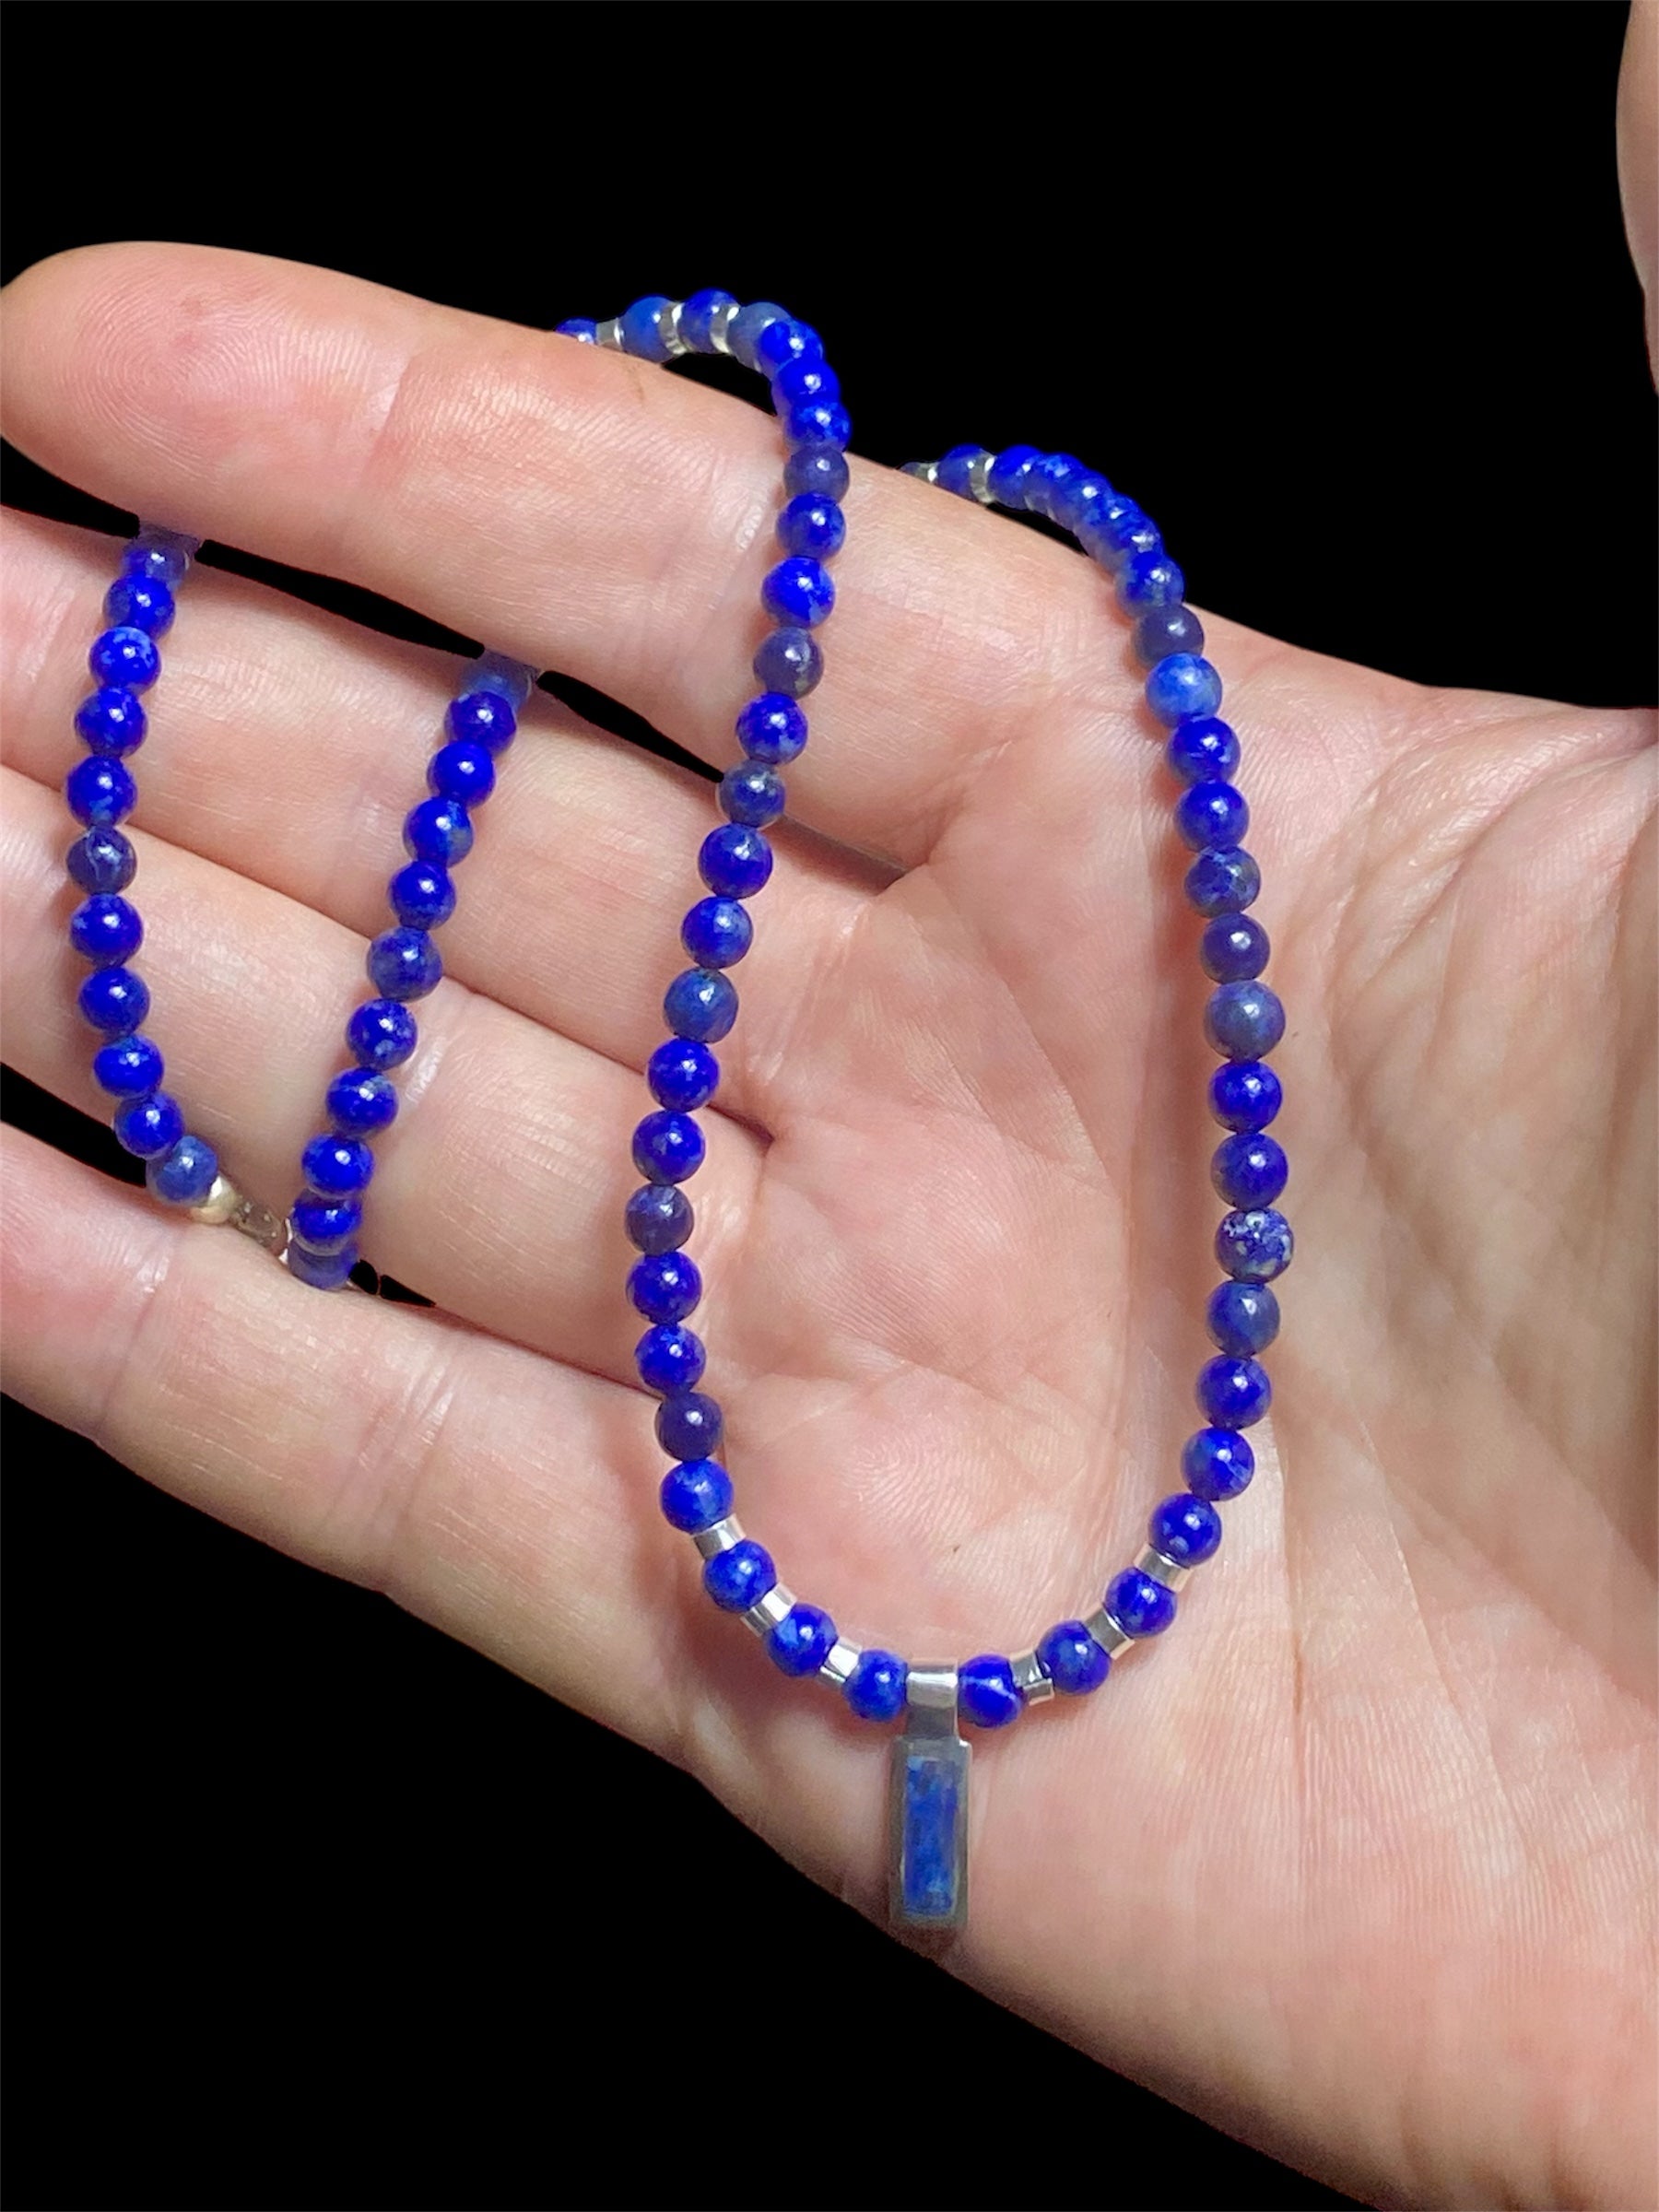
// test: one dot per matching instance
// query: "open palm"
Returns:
(1357, 1861)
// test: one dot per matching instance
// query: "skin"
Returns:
(1358, 1863)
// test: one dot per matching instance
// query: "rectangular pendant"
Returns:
(928, 1800)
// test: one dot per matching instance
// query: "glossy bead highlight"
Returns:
(1072, 1660)
(1139, 1605)
(1233, 1393)
(683, 1075)
(876, 1687)
(695, 1495)
(701, 1004)
(658, 1217)
(1242, 1319)
(802, 1640)
(1243, 1021)
(740, 1576)
(1254, 1245)
(1217, 1463)
(987, 1693)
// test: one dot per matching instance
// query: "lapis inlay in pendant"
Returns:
(928, 1871)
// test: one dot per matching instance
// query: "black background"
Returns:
(308, 1906)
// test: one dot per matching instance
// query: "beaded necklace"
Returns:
(1244, 1022)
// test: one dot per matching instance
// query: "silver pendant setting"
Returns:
(927, 1867)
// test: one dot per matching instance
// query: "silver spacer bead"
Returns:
(1029, 1678)
(720, 1537)
(843, 1657)
(1167, 1571)
(720, 323)
(1106, 1632)
(770, 1609)
(219, 1205)
(225, 1207)
(979, 476)
(669, 328)
(927, 471)
(609, 333)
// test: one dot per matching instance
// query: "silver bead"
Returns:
(1106, 1632)
(767, 1612)
(978, 477)
(1152, 1561)
(669, 328)
(720, 1537)
(928, 471)
(609, 333)
(843, 1657)
(219, 1205)
(720, 325)
(1029, 1678)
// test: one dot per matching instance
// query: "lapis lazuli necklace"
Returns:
(1244, 1022)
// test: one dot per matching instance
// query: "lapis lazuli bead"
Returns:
(580, 327)
(640, 327)
(1242, 1319)
(812, 525)
(102, 861)
(1117, 531)
(876, 1689)
(1254, 1245)
(698, 314)
(337, 1167)
(1243, 1021)
(148, 1125)
(158, 556)
(1185, 1529)
(185, 1175)
(139, 603)
(1149, 580)
(1072, 1660)
(752, 794)
(325, 1225)
(1248, 1169)
(1047, 478)
(125, 656)
(438, 830)
(1203, 749)
(509, 679)
(404, 963)
(683, 1075)
(798, 591)
(462, 772)
(1183, 684)
(1140, 1606)
(422, 895)
(111, 719)
(822, 469)
(1079, 499)
(954, 470)
(360, 1103)
(717, 932)
(802, 1640)
(772, 729)
(783, 343)
(702, 1004)
(670, 1359)
(695, 1495)
(1217, 1463)
(1233, 1393)
(740, 1576)
(114, 1000)
(128, 1067)
(790, 661)
(658, 1217)
(818, 423)
(100, 791)
(1224, 880)
(689, 1425)
(987, 1693)
(746, 325)
(1162, 630)
(664, 1285)
(1009, 472)
(321, 1270)
(1233, 949)
(381, 1033)
(804, 376)
(483, 718)
(667, 1148)
(106, 930)
(1211, 813)
(1245, 1094)
(735, 862)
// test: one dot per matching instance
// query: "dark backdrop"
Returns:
(308, 1905)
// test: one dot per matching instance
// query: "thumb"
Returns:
(1638, 180)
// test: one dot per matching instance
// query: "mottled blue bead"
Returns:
(641, 329)
(1243, 1021)
(1149, 579)
(804, 376)
(139, 603)
(1072, 1660)
(105, 930)
(580, 327)
(1233, 1393)
(381, 1034)
(689, 1426)
(404, 963)
(752, 794)
(740, 1576)
(1162, 630)
(876, 1689)
(1185, 1529)
(186, 1174)
(798, 591)
(822, 469)
(664, 1285)
(1079, 500)
(125, 656)
(422, 895)
(790, 661)
(1183, 684)
(658, 1217)
(695, 1495)
(1254, 1246)
(438, 830)
(772, 729)
(1011, 472)
(802, 1640)
(322, 1224)
(746, 325)
(698, 315)
(128, 1067)
(337, 1167)
(670, 1359)
(818, 422)
(111, 719)
(1233, 949)
(735, 862)
(668, 1147)
(461, 770)
(158, 556)
(1217, 1463)
(812, 525)
(483, 718)
(1047, 479)
(1248, 1169)
(1203, 749)
(954, 470)
(783, 343)
(1223, 880)
(360, 1103)
(717, 932)
(1242, 1319)
(1139, 1605)
(102, 861)
(322, 1270)
(1117, 531)
(99, 792)
(114, 1000)
(507, 679)
(683, 1075)
(1210, 815)
(987, 1693)
(700, 1003)
(148, 1125)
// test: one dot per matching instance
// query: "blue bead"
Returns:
(139, 603)
(670, 1359)
(422, 895)
(483, 718)
(1233, 1393)
(129, 1068)
(876, 1689)
(717, 932)
(987, 1693)
(689, 1426)
(1243, 1021)
(785, 343)
(790, 661)
(802, 1640)
(697, 318)
(1233, 949)
(438, 830)
(337, 1167)
(360, 1103)
(1183, 684)
(1162, 630)
(695, 1495)
(700, 1003)
(1223, 880)
(752, 794)
(322, 1270)
(664, 1285)
(1254, 1246)
(1217, 1463)
(1211, 813)
(798, 591)
(682, 1075)
(1077, 500)
(102, 861)
(812, 525)
(186, 1174)
(105, 930)
(804, 376)
(507, 679)
(325, 1225)
(819, 469)
(158, 556)
(1009, 472)
(111, 719)
(667, 1148)
(1139, 1605)
(99, 792)
(772, 729)
(114, 1000)
(1242, 1319)
(381, 1034)
(1149, 580)
(746, 325)
(1248, 1169)
(1185, 1529)
(638, 327)
(1072, 1660)
(148, 1125)
(952, 473)
(1117, 531)
(1203, 749)
(735, 862)
(1048, 479)
(462, 771)
(740, 1576)
(404, 963)
(658, 1217)
(127, 657)
(578, 328)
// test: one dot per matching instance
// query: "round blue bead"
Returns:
(1233, 1393)
(664, 1285)
(125, 656)
(1048, 479)
(1185, 1529)
(337, 1167)
(482, 717)
(640, 329)
(1248, 1169)
(818, 422)
(580, 327)
(667, 1148)
(404, 963)
(746, 325)
(360, 1103)
(1243, 1021)
(1162, 630)
(99, 792)
(695, 1495)
(1072, 1660)
(148, 1125)
(717, 932)
(798, 591)
(1149, 580)
(804, 376)
(1242, 1319)
(1079, 499)
(783, 344)
(790, 661)
(422, 895)
(802, 1640)
(1217, 1463)
(1011, 472)
(1254, 1246)
(1139, 1605)
(953, 472)
(670, 1359)
(1203, 749)
(158, 556)
(876, 1689)
(752, 794)
(102, 861)
(186, 1174)
(1223, 880)
(129, 1068)
(697, 318)
(505, 678)
(322, 1270)
(105, 930)
(772, 729)
(114, 1000)
(683, 1075)
(658, 1217)
(381, 1034)
(689, 1426)
(1211, 813)
(1117, 531)
(462, 771)
(740, 1576)
(987, 1693)
(812, 525)
(700, 1003)
(111, 719)
(141, 603)
(821, 469)
(1183, 684)
(1233, 949)
(325, 1225)
(438, 830)
(735, 862)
